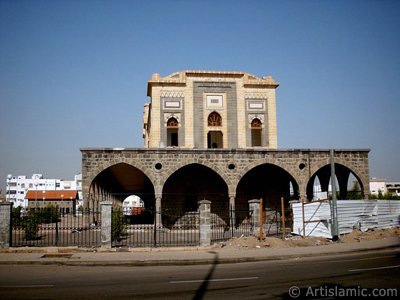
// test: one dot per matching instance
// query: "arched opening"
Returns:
(134, 210)
(348, 184)
(256, 133)
(172, 132)
(190, 184)
(269, 182)
(119, 181)
(214, 119)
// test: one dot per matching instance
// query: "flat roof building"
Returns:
(210, 109)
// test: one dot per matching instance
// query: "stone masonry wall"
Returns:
(231, 165)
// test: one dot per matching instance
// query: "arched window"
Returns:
(214, 119)
(256, 124)
(172, 132)
(256, 130)
(172, 123)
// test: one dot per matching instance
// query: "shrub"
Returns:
(118, 226)
(31, 228)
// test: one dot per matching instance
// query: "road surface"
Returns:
(362, 274)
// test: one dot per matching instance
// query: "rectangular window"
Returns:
(172, 137)
(256, 137)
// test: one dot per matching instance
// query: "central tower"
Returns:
(210, 109)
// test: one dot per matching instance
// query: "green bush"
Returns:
(16, 215)
(386, 196)
(31, 229)
(46, 215)
(118, 226)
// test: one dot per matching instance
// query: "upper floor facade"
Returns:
(210, 109)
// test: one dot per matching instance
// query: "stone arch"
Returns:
(137, 164)
(342, 170)
(180, 164)
(266, 180)
(259, 162)
(118, 180)
(185, 187)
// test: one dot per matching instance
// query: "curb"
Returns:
(185, 262)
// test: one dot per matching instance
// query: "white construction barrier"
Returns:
(352, 214)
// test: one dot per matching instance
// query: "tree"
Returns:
(355, 192)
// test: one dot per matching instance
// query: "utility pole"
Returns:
(333, 202)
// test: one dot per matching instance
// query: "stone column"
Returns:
(232, 213)
(254, 208)
(5, 224)
(158, 219)
(205, 222)
(106, 215)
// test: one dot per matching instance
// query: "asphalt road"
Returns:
(362, 274)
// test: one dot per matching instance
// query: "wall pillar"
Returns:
(157, 217)
(205, 222)
(254, 208)
(106, 215)
(232, 213)
(5, 224)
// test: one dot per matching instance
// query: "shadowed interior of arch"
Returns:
(121, 180)
(192, 183)
(269, 182)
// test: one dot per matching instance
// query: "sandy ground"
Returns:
(297, 241)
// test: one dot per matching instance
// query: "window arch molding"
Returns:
(172, 122)
(214, 119)
(256, 123)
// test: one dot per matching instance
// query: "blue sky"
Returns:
(74, 73)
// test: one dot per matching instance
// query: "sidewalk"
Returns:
(179, 256)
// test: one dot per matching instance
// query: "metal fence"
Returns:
(229, 223)
(155, 229)
(273, 223)
(45, 227)
(233, 223)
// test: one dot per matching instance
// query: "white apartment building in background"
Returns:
(385, 187)
(18, 186)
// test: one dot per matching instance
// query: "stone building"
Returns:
(213, 135)
(206, 109)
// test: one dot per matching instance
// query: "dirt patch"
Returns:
(359, 236)
(298, 241)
